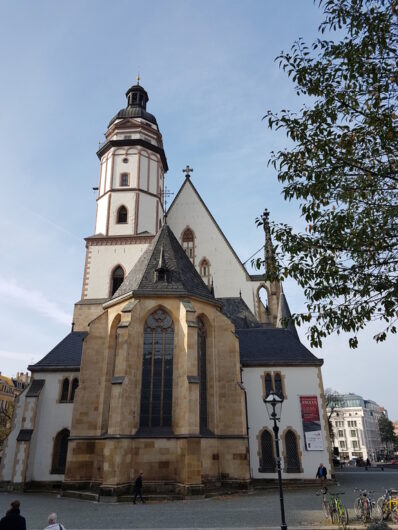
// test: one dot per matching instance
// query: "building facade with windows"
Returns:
(172, 350)
(355, 422)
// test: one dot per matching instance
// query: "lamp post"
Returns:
(273, 403)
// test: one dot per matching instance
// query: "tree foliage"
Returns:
(342, 167)
(387, 433)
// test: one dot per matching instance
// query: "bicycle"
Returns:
(340, 512)
(333, 507)
(366, 508)
(388, 504)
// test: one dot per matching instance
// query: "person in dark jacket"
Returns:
(13, 519)
(138, 488)
(322, 474)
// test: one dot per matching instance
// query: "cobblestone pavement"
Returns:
(254, 510)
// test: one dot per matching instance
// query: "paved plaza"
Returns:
(257, 509)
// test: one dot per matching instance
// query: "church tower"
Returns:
(130, 197)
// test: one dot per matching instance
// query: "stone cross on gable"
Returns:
(187, 171)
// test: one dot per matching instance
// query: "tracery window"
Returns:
(122, 215)
(75, 384)
(202, 376)
(60, 452)
(117, 279)
(292, 456)
(188, 243)
(267, 459)
(65, 390)
(273, 381)
(157, 371)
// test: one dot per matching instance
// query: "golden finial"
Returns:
(138, 78)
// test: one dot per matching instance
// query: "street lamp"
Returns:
(273, 403)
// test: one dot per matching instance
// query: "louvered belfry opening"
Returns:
(267, 460)
(292, 456)
(157, 371)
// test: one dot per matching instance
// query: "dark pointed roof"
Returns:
(181, 278)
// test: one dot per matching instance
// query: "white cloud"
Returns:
(33, 299)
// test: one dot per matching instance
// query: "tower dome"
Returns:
(137, 98)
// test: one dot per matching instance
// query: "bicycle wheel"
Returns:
(381, 502)
(358, 508)
(343, 516)
(326, 508)
(376, 513)
(334, 516)
(394, 514)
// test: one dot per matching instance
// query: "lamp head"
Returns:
(273, 403)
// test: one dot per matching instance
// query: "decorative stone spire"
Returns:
(269, 255)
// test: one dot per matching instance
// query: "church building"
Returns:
(171, 353)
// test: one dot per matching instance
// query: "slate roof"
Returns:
(182, 279)
(35, 388)
(284, 316)
(66, 355)
(133, 112)
(262, 346)
(237, 311)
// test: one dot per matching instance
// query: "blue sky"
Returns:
(209, 70)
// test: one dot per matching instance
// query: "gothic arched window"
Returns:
(122, 215)
(204, 270)
(202, 376)
(117, 279)
(292, 462)
(75, 384)
(268, 384)
(278, 385)
(188, 243)
(60, 452)
(65, 390)
(267, 459)
(157, 371)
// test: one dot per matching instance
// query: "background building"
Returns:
(355, 423)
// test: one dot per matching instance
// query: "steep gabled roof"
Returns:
(180, 278)
(189, 182)
(238, 312)
(284, 316)
(66, 355)
(274, 347)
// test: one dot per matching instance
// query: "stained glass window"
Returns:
(157, 371)
(188, 243)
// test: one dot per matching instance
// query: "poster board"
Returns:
(311, 423)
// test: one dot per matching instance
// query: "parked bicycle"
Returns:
(366, 508)
(388, 504)
(333, 507)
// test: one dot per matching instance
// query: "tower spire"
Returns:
(269, 255)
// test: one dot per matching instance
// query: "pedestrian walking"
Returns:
(138, 488)
(13, 519)
(321, 474)
(52, 523)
